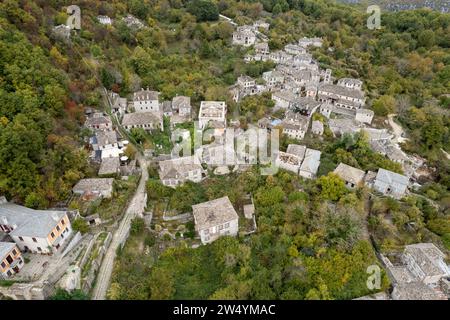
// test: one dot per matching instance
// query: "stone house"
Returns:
(144, 120)
(310, 164)
(214, 219)
(99, 187)
(212, 111)
(176, 171)
(317, 127)
(146, 100)
(390, 183)
(364, 115)
(98, 121)
(37, 231)
(352, 176)
(244, 36)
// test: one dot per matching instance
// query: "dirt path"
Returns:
(136, 207)
(397, 129)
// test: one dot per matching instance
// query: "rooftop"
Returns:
(312, 161)
(429, 258)
(146, 94)
(340, 90)
(349, 173)
(29, 222)
(212, 213)
(109, 166)
(297, 150)
(390, 177)
(94, 185)
(141, 118)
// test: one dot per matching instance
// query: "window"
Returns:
(220, 227)
(39, 248)
(52, 235)
(20, 238)
(58, 228)
(227, 225)
(9, 273)
(34, 239)
(14, 252)
(63, 222)
(3, 264)
(206, 231)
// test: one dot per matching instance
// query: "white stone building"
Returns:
(212, 111)
(390, 183)
(146, 100)
(214, 219)
(310, 164)
(179, 170)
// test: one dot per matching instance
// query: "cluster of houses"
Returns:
(300, 160)
(28, 230)
(387, 182)
(419, 273)
(247, 35)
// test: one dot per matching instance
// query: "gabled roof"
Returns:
(391, 178)
(212, 213)
(180, 101)
(106, 137)
(29, 222)
(109, 166)
(94, 185)
(146, 94)
(429, 258)
(349, 173)
(297, 150)
(141, 118)
(312, 161)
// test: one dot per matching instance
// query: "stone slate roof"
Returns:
(93, 185)
(312, 161)
(349, 173)
(109, 166)
(174, 168)
(30, 223)
(212, 213)
(97, 119)
(339, 90)
(416, 291)
(429, 258)
(5, 248)
(141, 118)
(106, 137)
(180, 101)
(297, 150)
(391, 178)
(145, 95)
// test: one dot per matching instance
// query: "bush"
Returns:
(80, 225)
(137, 226)
(203, 10)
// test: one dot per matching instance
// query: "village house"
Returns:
(37, 231)
(284, 99)
(261, 24)
(109, 166)
(341, 96)
(176, 171)
(390, 183)
(262, 48)
(11, 260)
(341, 126)
(306, 42)
(94, 187)
(364, 115)
(426, 263)
(217, 154)
(144, 120)
(98, 121)
(244, 36)
(304, 77)
(133, 22)
(273, 78)
(311, 90)
(350, 83)
(317, 127)
(104, 140)
(310, 164)
(294, 49)
(291, 160)
(352, 176)
(119, 104)
(281, 57)
(146, 100)
(305, 106)
(212, 111)
(182, 105)
(105, 20)
(295, 129)
(166, 107)
(214, 219)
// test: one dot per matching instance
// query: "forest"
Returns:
(313, 236)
